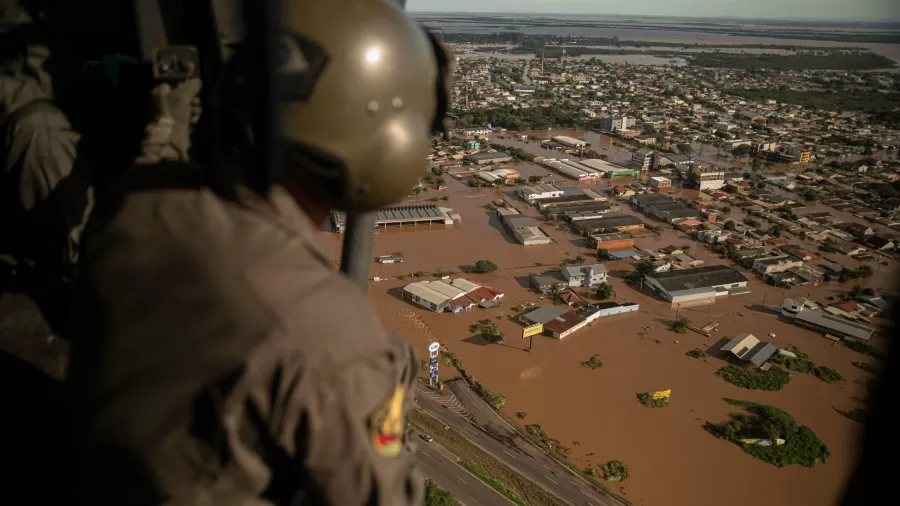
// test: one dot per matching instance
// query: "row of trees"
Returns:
(531, 118)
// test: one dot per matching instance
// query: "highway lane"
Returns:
(508, 446)
(440, 465)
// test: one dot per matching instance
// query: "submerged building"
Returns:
(830, 325)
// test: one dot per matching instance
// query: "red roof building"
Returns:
(565, 324)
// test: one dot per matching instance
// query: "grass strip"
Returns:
(491, 468)
(492, 482)
(436, 496)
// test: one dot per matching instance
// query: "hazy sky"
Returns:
(845, 10)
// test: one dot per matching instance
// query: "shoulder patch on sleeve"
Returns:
(386, 426)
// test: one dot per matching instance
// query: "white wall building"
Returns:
(585, 275)
(544, 191)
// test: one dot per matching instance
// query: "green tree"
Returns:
(810, 196)
(484, 267)
(605, 291)
(614, 470)
(680, 325)
(776, 231)
(729, 225)
(488, 330)
(685, 148)
(641, 270)
(534, 179)
(603, 254)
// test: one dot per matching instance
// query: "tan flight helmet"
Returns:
(365, 89)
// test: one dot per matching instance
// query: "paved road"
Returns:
(478, 423)
(437, 463)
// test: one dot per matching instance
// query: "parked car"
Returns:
(426, 438)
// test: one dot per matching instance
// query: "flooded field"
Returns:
(668, 36)
(672, 460)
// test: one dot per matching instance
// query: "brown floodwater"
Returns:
(671, 459)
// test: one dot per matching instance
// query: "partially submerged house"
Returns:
(750, 350)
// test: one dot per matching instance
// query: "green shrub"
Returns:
(695, 353)
(488, 330)
(801, 447)
(680, 325)
(828, 375)
(646, 399)
(855, 414)
(869, 368)
(614, 470)
(864, 348)
(536, 430)
(771, 380)
(484, 267)
(592, 363)
(803, 364)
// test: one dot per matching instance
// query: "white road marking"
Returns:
(510, 454)
(547, 468)
(550, 479)
(462, 480)
(473, 431)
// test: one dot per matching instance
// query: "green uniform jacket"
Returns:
(219, 359)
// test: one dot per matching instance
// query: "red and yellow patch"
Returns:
(387, 425)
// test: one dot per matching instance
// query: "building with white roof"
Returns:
(569, 142)
(453, 296)
(544, 191)
(574, 170)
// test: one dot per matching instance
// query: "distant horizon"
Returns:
(659, 16)
(878, 12)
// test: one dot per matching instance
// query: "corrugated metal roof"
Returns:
(408, 213)
(836, 324)
(741, 344)
(464, 284)
(420, 289)
(544, 314)
(761, 353)
(445, 289)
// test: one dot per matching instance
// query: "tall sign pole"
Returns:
(433, 355)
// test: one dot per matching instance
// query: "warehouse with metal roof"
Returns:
(571, 169)
(609, 222)
(827, 324)
(403, 216)
(700, 284)
(569, 142)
